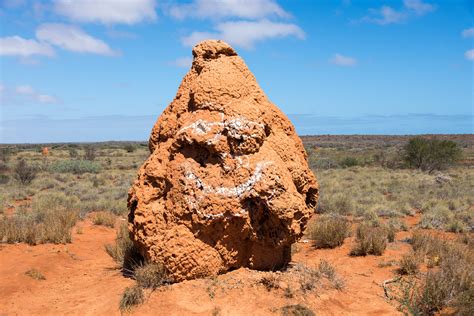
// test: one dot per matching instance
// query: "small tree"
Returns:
(429, 155)
(24, 173)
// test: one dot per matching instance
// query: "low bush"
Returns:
(370, 240)
(329, 231)
(75, 166)
(24, 173)
(409, 264)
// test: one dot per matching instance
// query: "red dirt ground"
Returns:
(81, 279)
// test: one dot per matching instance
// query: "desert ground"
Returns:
(386, 239)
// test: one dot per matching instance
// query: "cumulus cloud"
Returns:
(107, 11)
(245, 9)
(419, 7)
(73, 39)
(246, 33)
(469, 54)
(27, 94)
(385, 15)
(388, 15)
(344, 61)
(468, 32)
(18, 46)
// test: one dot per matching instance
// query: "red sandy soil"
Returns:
(81, 279)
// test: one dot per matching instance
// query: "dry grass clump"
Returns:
(296, 310)
(370, 240)
(329, 231)
(124, 252)
(24, 173)
(131, 297)
(104, 219)
(450, 283)
(50, 220)
(150, 275)
(35, 274)
(336, 203)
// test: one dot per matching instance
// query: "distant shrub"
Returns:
(370, 240)
(24, 173)
(329, 231)
(75, 166)
(73, 154)
(429, 155)
(348, 162)
(130, 148)
(89, 153)
(4, 179)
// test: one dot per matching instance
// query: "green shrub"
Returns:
(75, 166)
(430, 155)
(329, 231)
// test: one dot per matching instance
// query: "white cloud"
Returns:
(73, 39)
(344, 61)
(468, 32)
(245, 33)
(107, 11)
(246, 9)
(18, 46)
(183, 62)
(469, 54)
(385, 15)
(419, 7)
(26, 92)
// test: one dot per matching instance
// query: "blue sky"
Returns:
(89, 70)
